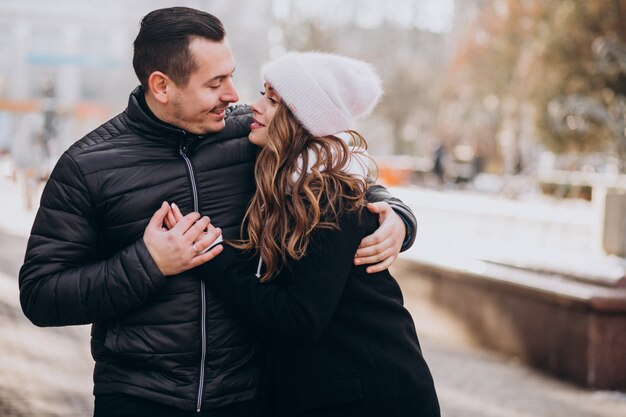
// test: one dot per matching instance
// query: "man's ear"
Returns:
(159, 84)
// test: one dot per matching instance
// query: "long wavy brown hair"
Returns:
(290, 203)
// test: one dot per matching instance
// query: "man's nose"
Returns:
(230, 95)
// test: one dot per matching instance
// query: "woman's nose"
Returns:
(256, 107)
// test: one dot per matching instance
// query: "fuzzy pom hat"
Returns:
(325, 92)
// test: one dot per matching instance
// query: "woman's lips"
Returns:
(256, 125)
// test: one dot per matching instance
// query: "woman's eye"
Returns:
(274, 101)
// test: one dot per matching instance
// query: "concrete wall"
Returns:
(570, 329)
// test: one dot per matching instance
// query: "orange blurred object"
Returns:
(393, 176)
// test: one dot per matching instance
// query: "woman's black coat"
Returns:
(341, 340)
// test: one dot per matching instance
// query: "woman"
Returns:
(341, 341)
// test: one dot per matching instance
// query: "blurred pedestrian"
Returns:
(29, 154)
(342, 343)
(50, 113)
(438, 163)
(31, 143)
(6, 122)
(163, 344)
(6, 127)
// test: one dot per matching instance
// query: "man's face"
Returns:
(200, 106)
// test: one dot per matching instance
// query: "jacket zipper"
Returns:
(194, 190)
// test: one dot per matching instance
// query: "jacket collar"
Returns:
(145, 123)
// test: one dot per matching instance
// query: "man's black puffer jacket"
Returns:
(165, 339)
(86, 261)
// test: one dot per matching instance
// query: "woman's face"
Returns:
(263, 112)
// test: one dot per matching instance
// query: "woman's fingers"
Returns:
(170, 220)
(176, 212)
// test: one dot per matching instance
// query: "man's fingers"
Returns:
(208, 239)
(381, 208)
(206, 257)
(186, 222)
(375, 258)
(210, 228)
(381, 249)
(372, 250)
(380, 235)
(196, 230)
(381, 266)
(156, 221)
(377, 208)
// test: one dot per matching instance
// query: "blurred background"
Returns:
(503, 126)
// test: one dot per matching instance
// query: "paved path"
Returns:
(43, 371)
(472, 382)
(47, 372)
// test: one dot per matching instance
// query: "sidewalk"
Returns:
(472, 382)
(44, 371)
(47, 372)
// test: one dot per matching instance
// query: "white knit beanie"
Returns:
(325, 92)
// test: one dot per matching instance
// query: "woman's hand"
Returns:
(210, 237)
(173, 216)
(182, 246)
(383, 246)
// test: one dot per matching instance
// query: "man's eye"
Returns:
(262, 93)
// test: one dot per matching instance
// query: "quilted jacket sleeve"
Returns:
(376, 193)
(63, 280)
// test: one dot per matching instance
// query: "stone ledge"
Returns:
(571, 329)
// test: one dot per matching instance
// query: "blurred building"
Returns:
(85, 48)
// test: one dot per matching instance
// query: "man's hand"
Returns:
(383, 246)
(179, 249)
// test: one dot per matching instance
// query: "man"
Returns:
(162, 344)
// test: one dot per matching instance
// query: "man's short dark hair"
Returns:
(163, 42)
